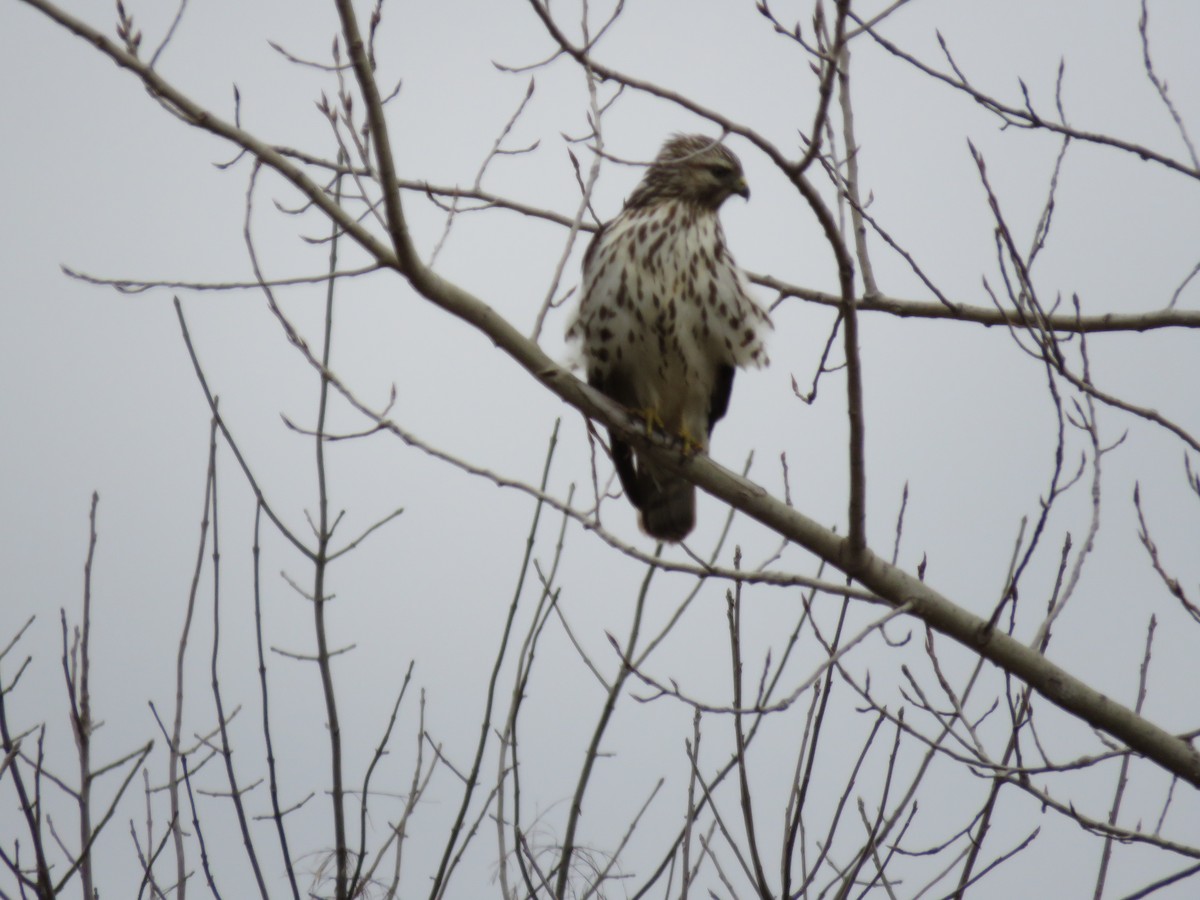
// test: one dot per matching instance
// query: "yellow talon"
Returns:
(691, 446)
(652, 419)
(654, 422)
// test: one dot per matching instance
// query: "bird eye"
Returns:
(720, 171)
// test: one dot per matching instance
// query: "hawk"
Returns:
(665, 318)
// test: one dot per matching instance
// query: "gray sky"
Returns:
(100, 395)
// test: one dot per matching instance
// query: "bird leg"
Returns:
(650, 416)
(691, 446)
(653, 420)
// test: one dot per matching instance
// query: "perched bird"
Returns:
(665, 317)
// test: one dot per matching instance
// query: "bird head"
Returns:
(695, 168)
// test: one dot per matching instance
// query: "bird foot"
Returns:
(690, 446)
(650, 416)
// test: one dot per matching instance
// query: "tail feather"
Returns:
(667, 503)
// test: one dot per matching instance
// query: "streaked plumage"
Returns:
(665, 317)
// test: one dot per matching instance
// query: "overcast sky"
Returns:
(99, 395)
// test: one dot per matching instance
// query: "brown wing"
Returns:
(618, 389)
(718, 401)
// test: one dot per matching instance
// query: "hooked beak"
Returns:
(741, 188)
